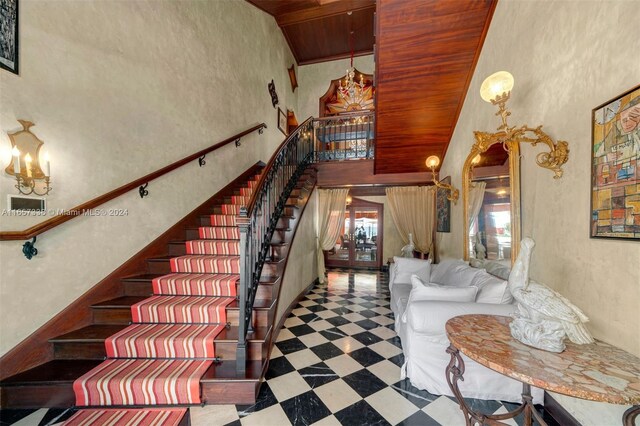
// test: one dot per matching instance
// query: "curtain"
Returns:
(332, 205)
(476, 197)
(413, 210)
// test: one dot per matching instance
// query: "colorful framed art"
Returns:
(615, 162)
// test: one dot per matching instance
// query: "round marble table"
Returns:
(597, 372)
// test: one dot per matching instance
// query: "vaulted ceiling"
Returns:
(426, 52)
(320, 30)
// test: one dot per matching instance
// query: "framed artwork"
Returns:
(443, 208)
(9, 35)
(282, 122)
(615, 178)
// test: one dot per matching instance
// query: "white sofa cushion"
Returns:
(405, 267)
(497, 269)
(428, 291)
(440, 270)
(458, 276)
(491, 289)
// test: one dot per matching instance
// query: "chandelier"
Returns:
(352, 90)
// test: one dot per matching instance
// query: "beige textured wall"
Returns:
(566, 57)
(314, 81)
(392, 243)
(118, 90)
(302, 266)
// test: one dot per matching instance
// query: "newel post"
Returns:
(244, 225)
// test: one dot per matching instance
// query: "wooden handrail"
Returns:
(59, 219)
(269, 166)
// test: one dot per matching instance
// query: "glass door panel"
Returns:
(365, 237)
(359, 245)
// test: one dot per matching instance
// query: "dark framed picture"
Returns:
(282, 121)
(443, 208)
(615, 158)
(9, 35)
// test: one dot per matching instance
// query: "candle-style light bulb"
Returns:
(15, 152)
(27, 163)
(47, 165)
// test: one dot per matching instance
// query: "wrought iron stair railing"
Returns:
(258, 220)
(345, 137)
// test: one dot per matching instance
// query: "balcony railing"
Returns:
(345, 137)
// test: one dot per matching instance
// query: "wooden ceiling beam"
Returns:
(326, 10)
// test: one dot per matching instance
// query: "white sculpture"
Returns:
(407, 251)
(481, 251)
(544, 317)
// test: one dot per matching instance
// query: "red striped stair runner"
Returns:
(196, 284)
(160, 359)
(139, 417)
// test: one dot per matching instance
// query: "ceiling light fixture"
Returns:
(351, 89)
(432, 162)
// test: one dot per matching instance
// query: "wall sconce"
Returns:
(25, 164)
(496, 89)
(432, 162)
(349, 199)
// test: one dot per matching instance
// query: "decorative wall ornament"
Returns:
(282, 122)
(292, 77)
(25, 163)
(272, 92)
(615, 167)
(544, 317)
(338, 99)
(9, 52)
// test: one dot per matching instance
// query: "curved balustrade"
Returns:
(258, 220)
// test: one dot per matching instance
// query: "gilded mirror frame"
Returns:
(480, 147)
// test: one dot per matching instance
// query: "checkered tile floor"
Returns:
(336, 362)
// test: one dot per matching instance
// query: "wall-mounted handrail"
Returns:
(59, 219)
(259, 218)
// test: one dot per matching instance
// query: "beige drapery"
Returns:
(476, 197)
(332, 205)
(413, 209)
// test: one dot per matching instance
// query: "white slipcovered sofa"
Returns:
(437, 294)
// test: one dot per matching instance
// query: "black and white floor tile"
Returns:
(336, 362)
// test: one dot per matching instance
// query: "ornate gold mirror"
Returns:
(491, 202)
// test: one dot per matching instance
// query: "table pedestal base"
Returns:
(455, 370)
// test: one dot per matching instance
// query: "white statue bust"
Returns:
(544, 317)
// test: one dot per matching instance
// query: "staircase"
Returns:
(177, 321)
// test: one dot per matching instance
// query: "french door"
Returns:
(360, 242)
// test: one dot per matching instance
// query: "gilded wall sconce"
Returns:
(25, 165)
(496, 89)
(432, 162)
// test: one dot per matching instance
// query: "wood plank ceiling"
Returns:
(426, 51)
(319, 30)
(426, 55)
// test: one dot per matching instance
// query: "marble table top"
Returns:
(597, 372)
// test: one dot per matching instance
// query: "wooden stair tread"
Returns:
(120, 302)
(226, 371)
(55, 371)
(145, 277)
(90, 333)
